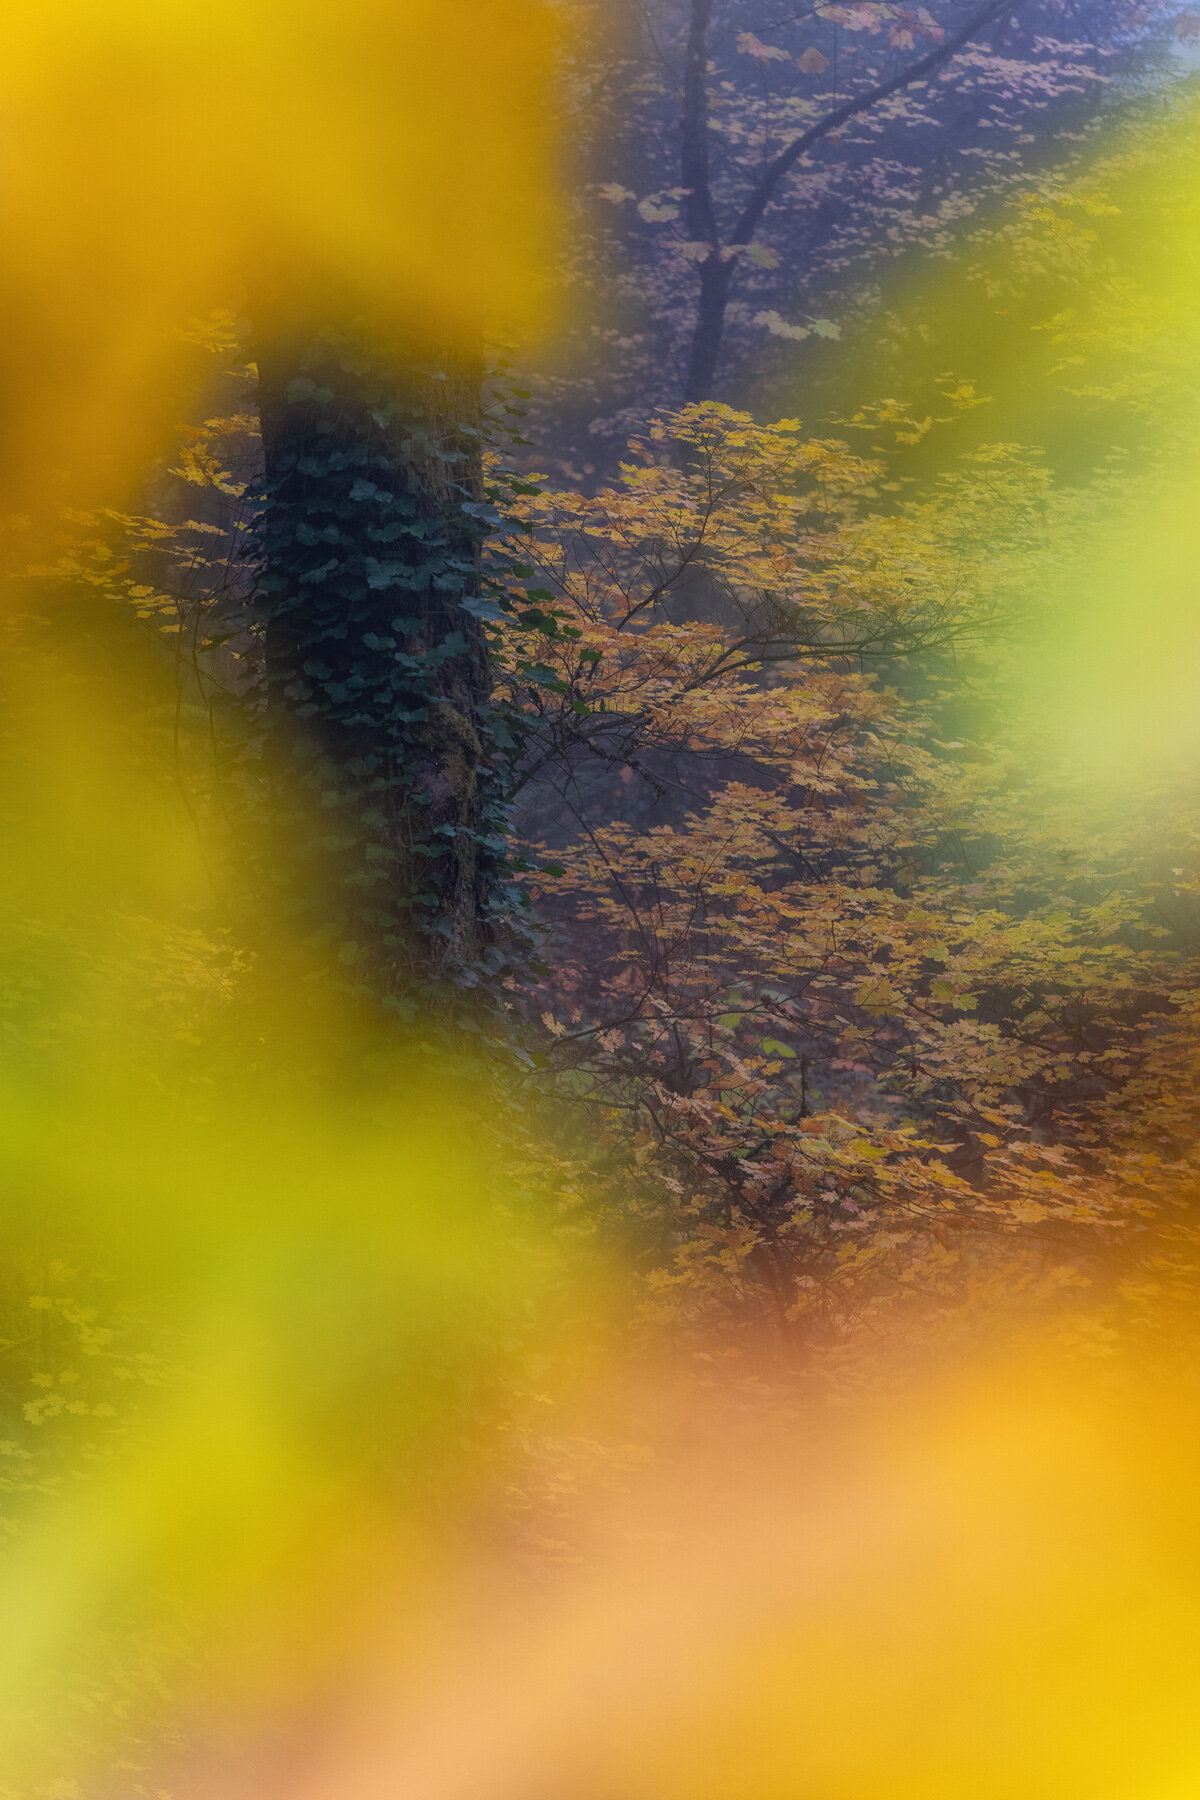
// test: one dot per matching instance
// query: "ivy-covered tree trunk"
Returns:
(377, 666)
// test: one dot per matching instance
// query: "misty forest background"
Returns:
(669, 736)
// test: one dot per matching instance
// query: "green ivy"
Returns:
(377, 618)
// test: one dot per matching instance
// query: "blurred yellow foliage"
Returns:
(163, 160)
(990, 1593)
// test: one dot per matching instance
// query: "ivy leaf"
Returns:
(543, 677)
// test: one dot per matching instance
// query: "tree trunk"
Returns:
(377, 667)
(699, 211)
(715, 279)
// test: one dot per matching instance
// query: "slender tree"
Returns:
(718, 268)
(751, 178)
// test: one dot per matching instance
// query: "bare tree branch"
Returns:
(717, 270)
(765, 188)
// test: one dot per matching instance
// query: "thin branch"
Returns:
(765, 189)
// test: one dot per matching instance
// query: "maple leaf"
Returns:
(614, 192)
(912, 23)
(749, 45)
(857, 18)
(812, 62)
(778, 326)
(656, 211)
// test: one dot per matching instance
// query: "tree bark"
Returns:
(699, 211)
(715, 280)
